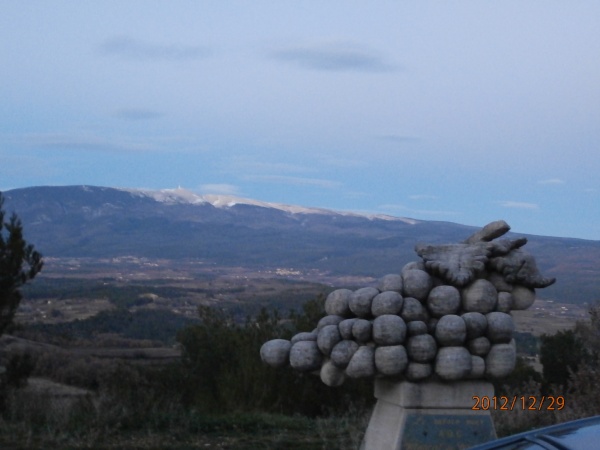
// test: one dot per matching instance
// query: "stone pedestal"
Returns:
(428, 415)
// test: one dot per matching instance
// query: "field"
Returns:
(548, 317)
(90, 332)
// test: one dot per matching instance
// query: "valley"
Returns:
(76, 289)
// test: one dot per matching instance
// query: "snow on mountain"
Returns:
(178, 195)
(185, 196)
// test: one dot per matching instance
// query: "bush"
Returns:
(561, 354)
(18, 369)
(221, 388)
(571, 362)
(156, 325)
(225, 373)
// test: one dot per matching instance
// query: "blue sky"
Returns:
(455, 111)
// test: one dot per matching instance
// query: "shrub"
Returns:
(224, 371)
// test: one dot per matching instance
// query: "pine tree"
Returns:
(19, 263)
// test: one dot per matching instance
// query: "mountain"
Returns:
(100, 222)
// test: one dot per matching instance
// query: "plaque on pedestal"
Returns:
(430, 415)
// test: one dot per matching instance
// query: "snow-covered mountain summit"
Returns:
(185, 196)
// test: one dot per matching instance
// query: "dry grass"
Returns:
(34, 419)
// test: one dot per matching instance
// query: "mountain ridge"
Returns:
(100, 222)
(180, 195)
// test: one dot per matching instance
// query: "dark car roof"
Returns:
(582, 434)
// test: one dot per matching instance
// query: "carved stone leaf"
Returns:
(504, 246)
(457, 264)
(519, 267)
(491, 231)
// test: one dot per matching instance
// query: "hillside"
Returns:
(102, 222)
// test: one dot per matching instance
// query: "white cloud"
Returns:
(398, 138)
(398, 208)
(338, 57)
(518, 205)
(219, 188)
(339, 162)
(395, 206)
(136, 114)
(85, 142)
(246, 165)
(423, 197)
(23, 168)
(299, 181)
(112, 144)
(551, 181)
(355, 195)
(126, 47)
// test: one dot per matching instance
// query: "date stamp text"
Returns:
(524, 402)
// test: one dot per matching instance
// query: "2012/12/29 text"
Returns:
(525, 402)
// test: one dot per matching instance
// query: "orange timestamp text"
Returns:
(524, 402)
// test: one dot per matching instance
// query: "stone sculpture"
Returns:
(446, 317)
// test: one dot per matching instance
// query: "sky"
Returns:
(462, 111)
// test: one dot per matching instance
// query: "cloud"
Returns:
(228, 189)
(355, 195)
(338, 57)
(82, 142)
(128, 48)
(551, 181)
(396, 208)
(298, 181)
(518, 205)
(423, 197)
(246, 165)
(95, 143)
(136, 114)
(26, 167)
(397, 138)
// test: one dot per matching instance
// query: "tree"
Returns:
(19, 263)
(223, 371)
(588, 331)
(561, 354)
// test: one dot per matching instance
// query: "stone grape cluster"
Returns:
(433, 320)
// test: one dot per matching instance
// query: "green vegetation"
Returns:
(561, 354)
(119, 294)
(220, 394)
(571, 363)
(19, 263)
(159, 325)
(221, 361)
(527, 343)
